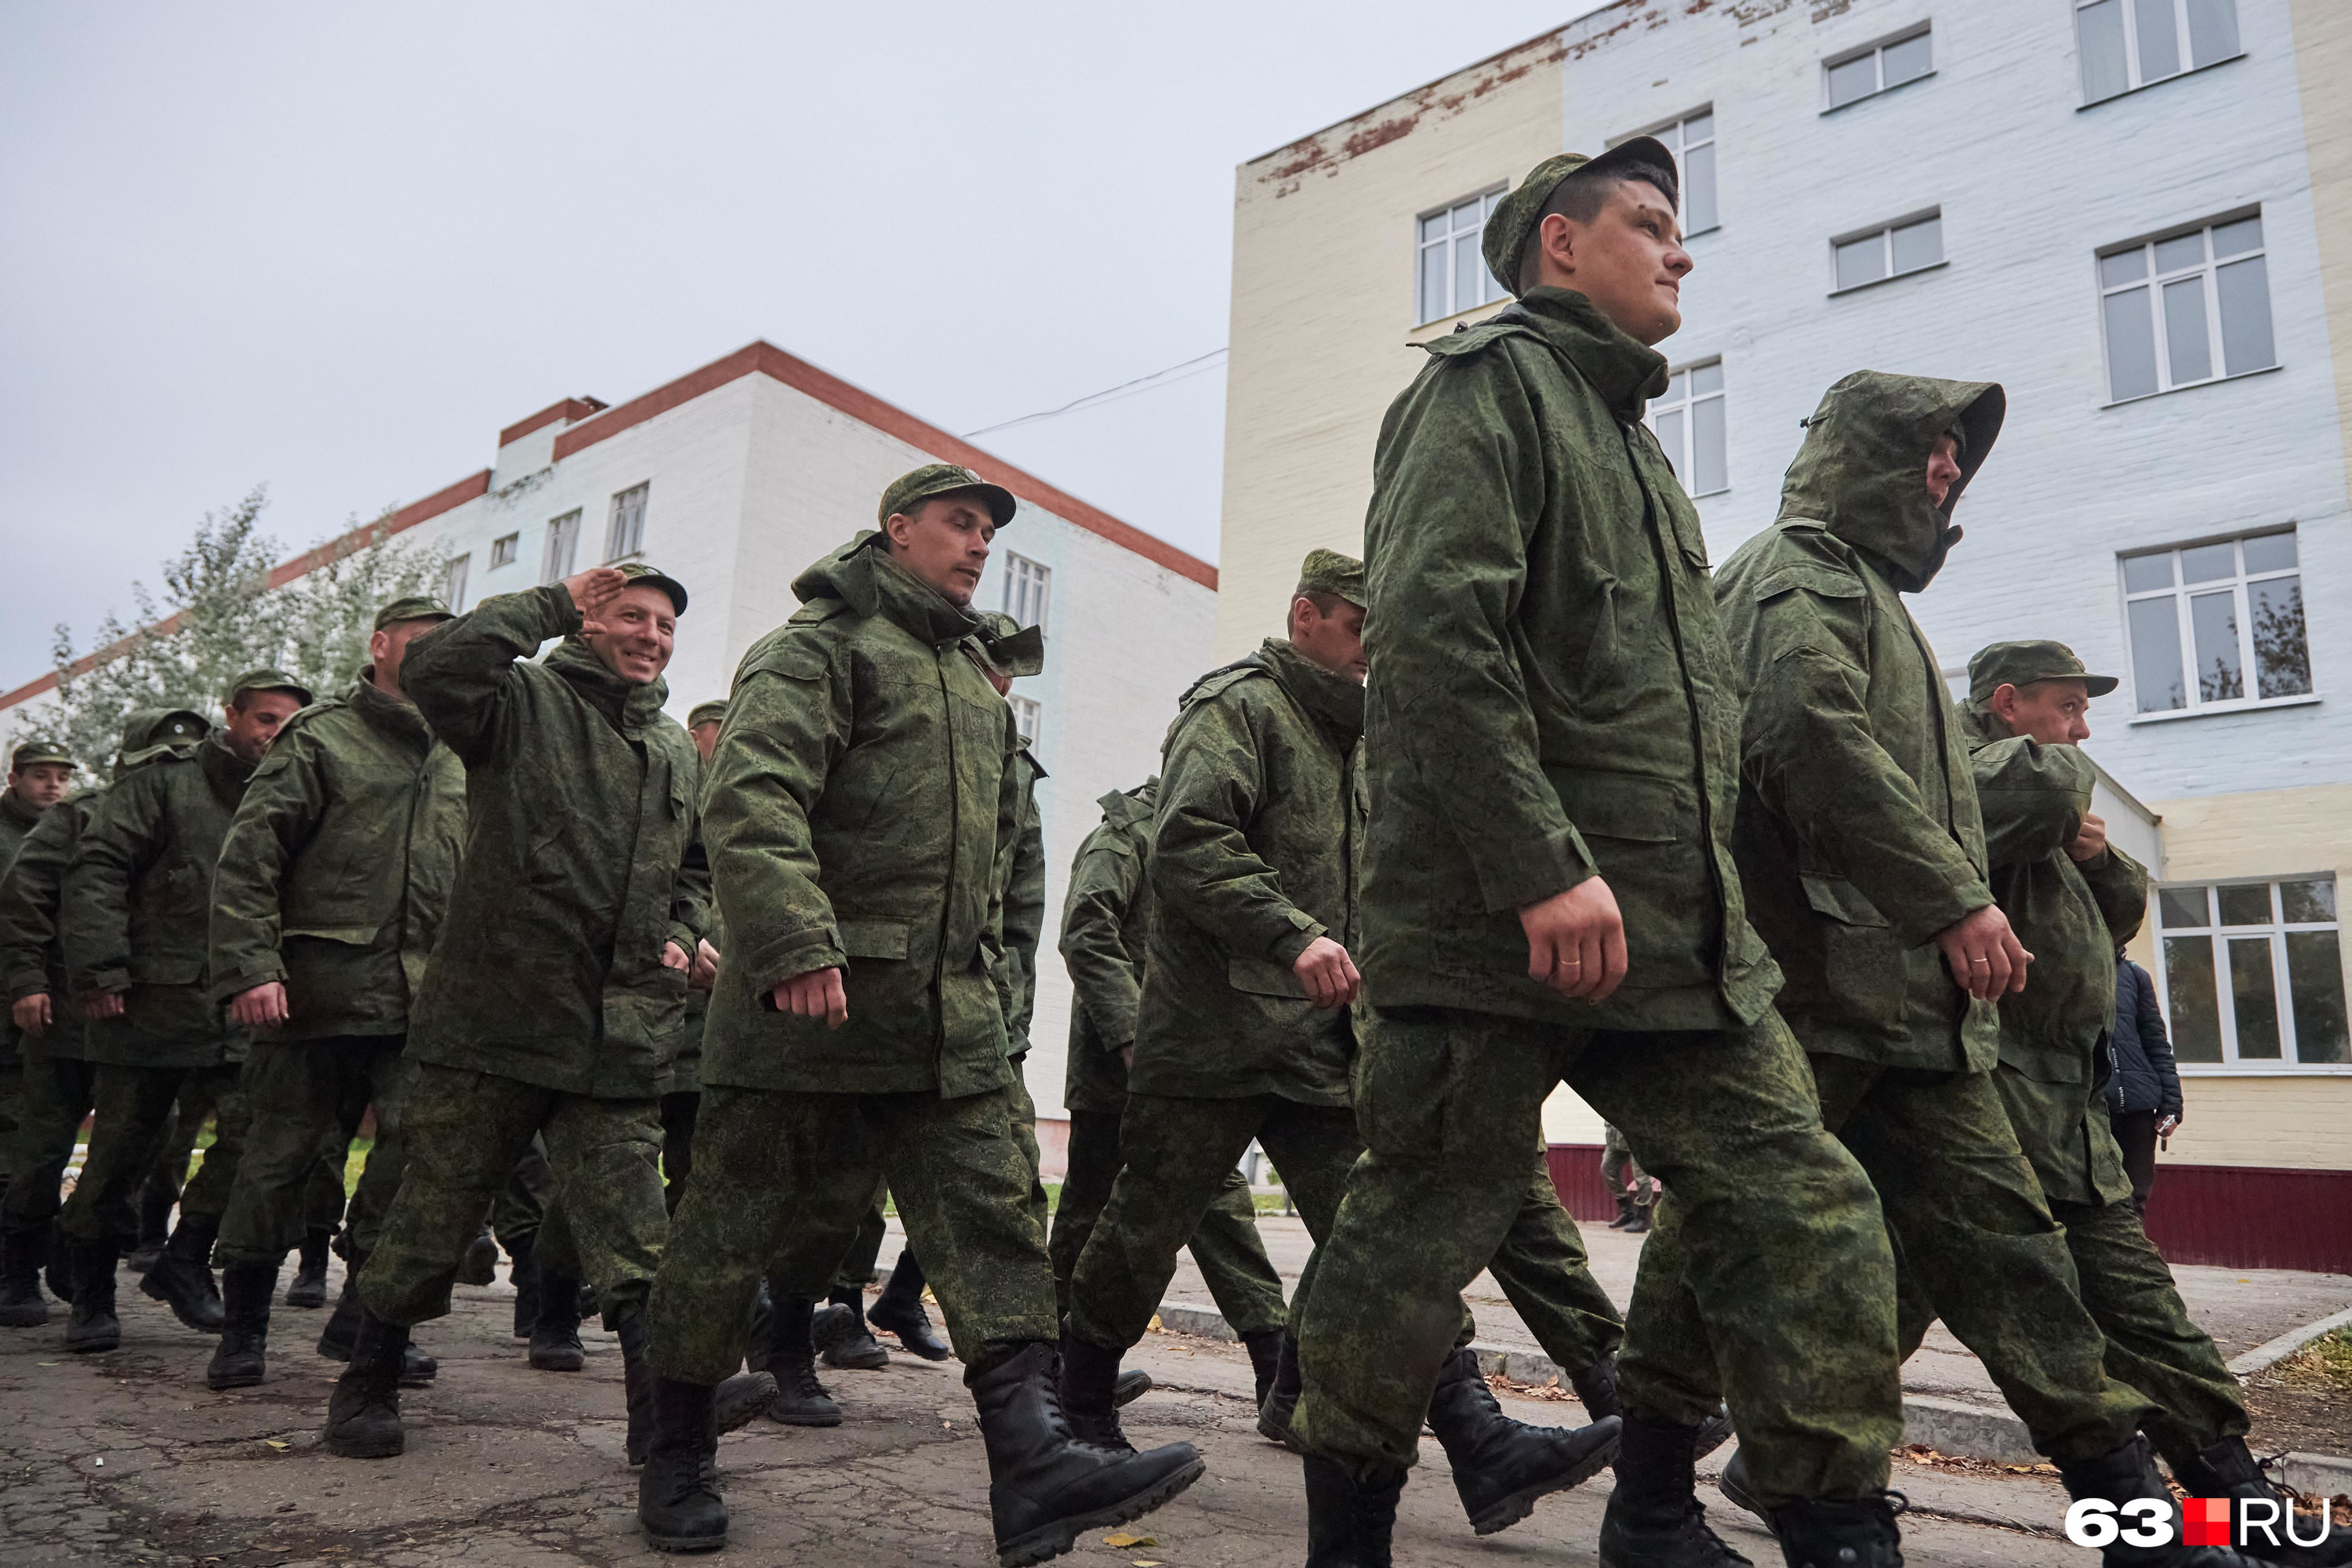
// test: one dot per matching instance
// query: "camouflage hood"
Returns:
(862, 575)
(1861, 471)
(1131, 809)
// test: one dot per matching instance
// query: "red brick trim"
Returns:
(572, 408)
(766, 359)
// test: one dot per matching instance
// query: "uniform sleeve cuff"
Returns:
(1529, 873)
(802, 953)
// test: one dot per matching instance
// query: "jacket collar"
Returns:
(626, 706)
(224, 769)
(15, 810)
(862, 575)
(388, 713)
(1625, 373)
(1336, 702)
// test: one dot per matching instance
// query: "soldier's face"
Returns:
(1629, 260)
(1943, 468)
(640, 631)
(388, 648)
(250, 728)
(944, 541)
(2054, 712)
(706, 739)
(1334, 642)
(40, 786)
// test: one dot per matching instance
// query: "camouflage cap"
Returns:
(2023, 663)
(412, 607)
(939, 479)
(1514, 218)
(637, 571)
(28, 752)
(266, 680)
(711, 712)
(1329, 571)
(1009, 648)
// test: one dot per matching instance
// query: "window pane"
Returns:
(2181, 250)
(1855, 78)
(1860, 261)
(2196, 1015)
(2282, 649)
(2230, 239)
(2213, 36)
(2245, 290)
(1435, 288)
(1468, 215)
(2160, 43)
(2315, 983)
(2309, 901)
(2142, 572)
(2182, 908)
(2100, 30)
(2123, 267)
(1670, 437)
(2131, 343)
(1910, 59)
(1708, 460)
(2209, 562)
(1918, 245)
(2268, 552)
(2253, 996)
(1698, 189)
(1706, 378)
(2245, 904)
(2157, 680)
(2213, 621)
(1678, 387)
(1698, 128)
(1467, 264)
(2185, 340)
(1435, 227)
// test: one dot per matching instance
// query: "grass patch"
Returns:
(2325, 1365)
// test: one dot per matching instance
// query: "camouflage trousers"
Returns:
(465, 1132)
(781, 1180)
(59, 1092)
(134, 1107)
(1618, 1164)
(1788, 1258)
(1969, 1226)
(305, 1099)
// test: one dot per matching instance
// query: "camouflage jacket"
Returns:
(2071, 915)
(136, 900)
(858, 799)
(1550, 695)
(1105, 918)
(16, 825)
(336, 874)
(1858, 837)
(1022, 878)
(581, 800)
(1253, 842)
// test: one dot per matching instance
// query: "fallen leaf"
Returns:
(1145, 1563)
(1124, 1539)
(276, 1444)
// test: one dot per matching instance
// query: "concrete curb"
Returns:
(2319, 1475)
(2262, 1357)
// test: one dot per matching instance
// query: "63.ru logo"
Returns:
(2204, 1522)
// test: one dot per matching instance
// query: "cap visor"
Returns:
(2100, 685)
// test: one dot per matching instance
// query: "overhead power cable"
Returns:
(1181, 370)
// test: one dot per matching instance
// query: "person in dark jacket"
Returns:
(2143, 1095)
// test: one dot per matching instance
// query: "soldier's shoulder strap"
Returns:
(816, 611)
(1509, 323)
(1800, 553)
(1224, 678)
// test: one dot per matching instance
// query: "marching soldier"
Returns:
(39, 774)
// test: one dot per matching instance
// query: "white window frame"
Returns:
(1028, 586)
(1028, 717)
(1685, 460)
(506, 549)
(453, 574)
(1884, 232)
(1489, 292)
(2180, 592)
(2135, 78)
(561, 553)
(2153, 282)
(1876, 52)
(625, 522)
(1675, 135)
(2231, 1065)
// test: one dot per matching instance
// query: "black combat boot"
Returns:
(636, 1385)
(1264, 1349)
(1859, 1532)
(781, 1345)
(1596, 1387)
(342, 1330)
(92, 1325)
(241, 1359)
(899, 1311)
(1281, 1401)
(2124, 1475)
(1713, 1432)
(182, 1278)
(2228, 1468)
(1132, 1384)
(679, 1506)
(309, 1287)
(156, 1201)
(1089, 1373)
(555, 1336)
(1624, 1212)
(842, 1336)
(1502, 1466)
(363, 1412)
(22, 1305)
(1045, 1487)
(480, 1264)
(1655, 1518)
(1639, 1225)
(1350, 1517)
(523, 1273)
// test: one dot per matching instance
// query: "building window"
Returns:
(1691, 140)
(2213, 319)
(1026, 588)
(1451, 276)
(625, 535)
(2201, 618)
(1688, 422)
(2253, 974)
(2131, 43)
(1913, 244)
(1867, 72)
(1026, 716)
(562, 544)
(453, 582)
(504, 551)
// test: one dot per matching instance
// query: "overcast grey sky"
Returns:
(335, 248)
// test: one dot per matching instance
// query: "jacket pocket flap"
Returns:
(1621, 806)
(355, 936)
(874, 939)
(1841, 900)
(1263, 977)
(1813, 577)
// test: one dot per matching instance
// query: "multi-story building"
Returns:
(736, 476)
(2135, 215)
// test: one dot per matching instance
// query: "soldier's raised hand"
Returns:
(1576, 942)
(1327, 973)
(816, 995)
(1987, 960)
(262, 1007)
(591, 591)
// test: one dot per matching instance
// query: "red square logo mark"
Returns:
(2205, 1521)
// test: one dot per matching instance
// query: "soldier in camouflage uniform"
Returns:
(860, 802)
(2075, 899)
(59, 1078)
(1552, 731)
(40, 775)
(329, 891)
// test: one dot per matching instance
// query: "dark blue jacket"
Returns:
(2145, 1078)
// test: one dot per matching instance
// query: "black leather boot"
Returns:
(1089, 1373)
(309, 1287)
(679, 1506)
(1349, 1516)
(182, 1278)
(899, 1311)
(636, 1385)
(1132, 1384)
(842, 1336)
(781, 1347)
(1274, 1412)
(22, 1304)
(1859, 1532)
(555, 1336)
(2228, 1468)
(2124, 1475)
(1502, 1466)
(245, 1289)
(1624, 1212)
(1045, 1487)
(92, 1325)
(1639, 1222)
(480, 1264)
(523, 1273)
(1264, 1349)
(342, 1330)
(363, 1412)
(156, 1201)
(1655, 1518)
(1596, 1387)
